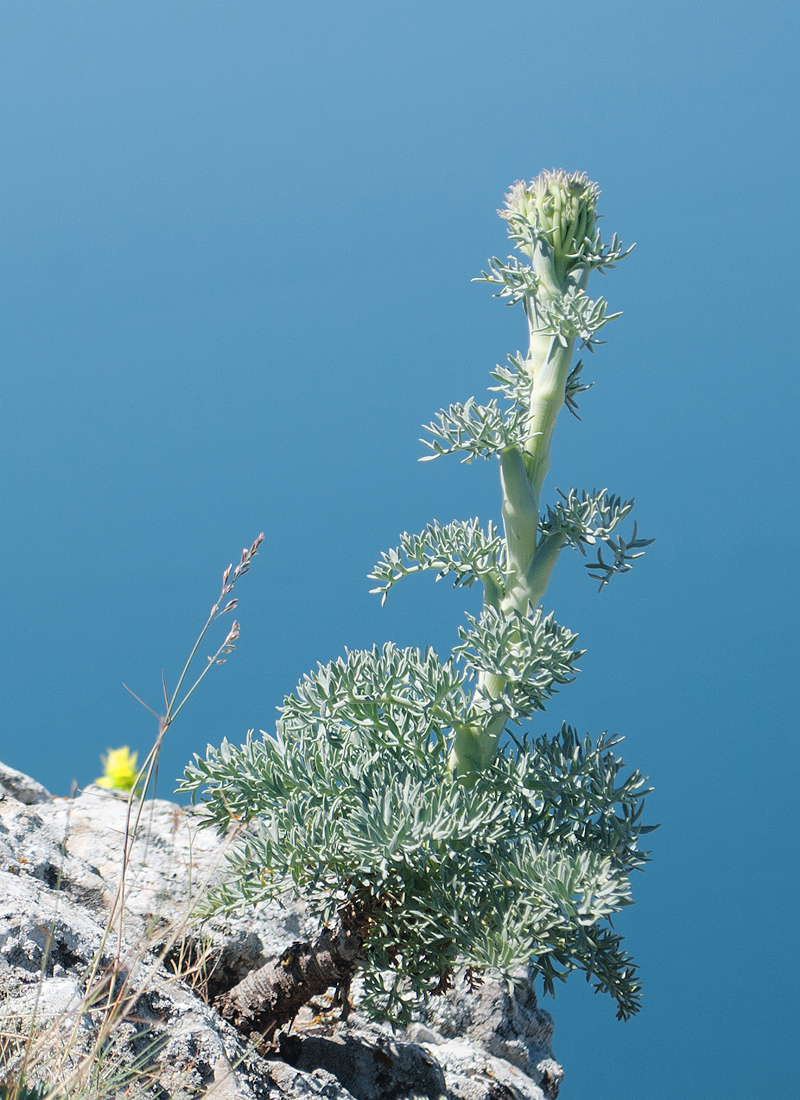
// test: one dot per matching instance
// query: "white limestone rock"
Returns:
(60, 865)
(14, 784)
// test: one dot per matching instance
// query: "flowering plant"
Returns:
(119, 769)
(399, 794)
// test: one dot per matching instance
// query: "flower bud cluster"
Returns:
(559, 205)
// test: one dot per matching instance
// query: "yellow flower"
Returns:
(119, 769)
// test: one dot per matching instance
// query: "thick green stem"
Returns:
(541, 568)
(475, 745)
(529, 564)
(520, 514)
(551, 362)
(493, 590)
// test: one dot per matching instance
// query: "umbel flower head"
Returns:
(562, 205)
(558, 206)
(119, 769)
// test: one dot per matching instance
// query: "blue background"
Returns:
(238, 245)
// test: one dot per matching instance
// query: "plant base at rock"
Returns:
(271, 996)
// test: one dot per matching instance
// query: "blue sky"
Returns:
(238, 244)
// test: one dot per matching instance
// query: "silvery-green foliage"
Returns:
(517, 281)
(531, 653)
(480, 431)
(515, 381)
(461, 548)
(575, 316)
(621, 556)
(352, 801)
(573, 387)
(589, 519)
(585, 518)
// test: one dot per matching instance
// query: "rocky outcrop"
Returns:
(64, 962)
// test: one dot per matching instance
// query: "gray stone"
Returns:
(14, 784)
(60, 879)
(368, 1060)
(504, 1021)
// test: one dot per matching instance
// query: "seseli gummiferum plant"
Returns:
(424, 841)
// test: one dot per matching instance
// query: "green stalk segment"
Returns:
(551, 363)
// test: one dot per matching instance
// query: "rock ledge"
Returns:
(59, 876)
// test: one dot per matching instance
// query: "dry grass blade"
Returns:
(100, 1047)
